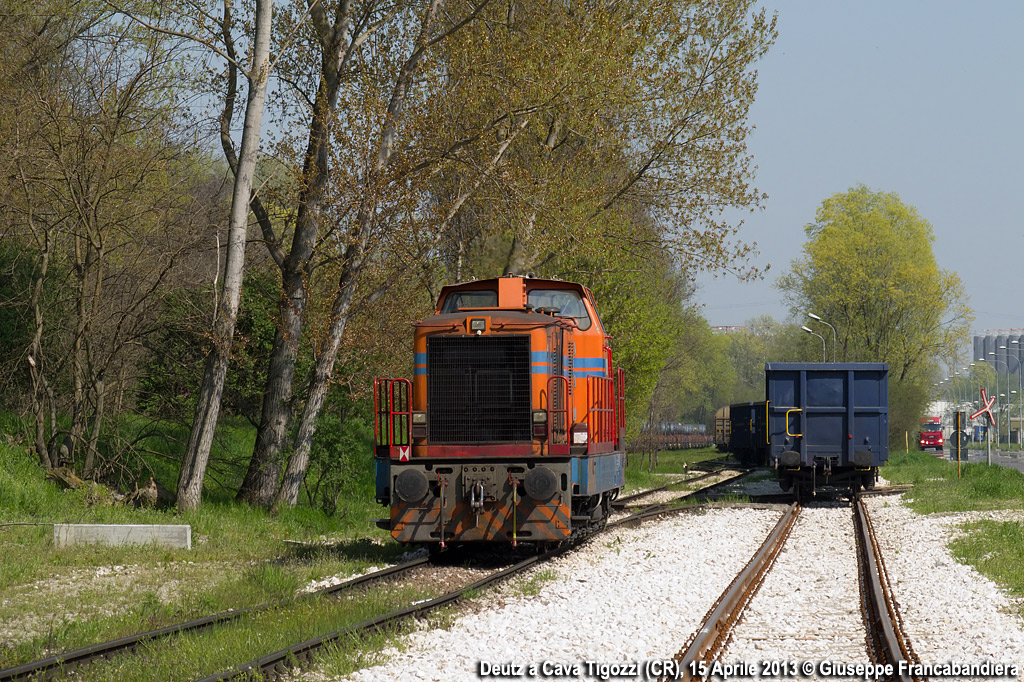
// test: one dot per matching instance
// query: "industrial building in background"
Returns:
(1003, 349)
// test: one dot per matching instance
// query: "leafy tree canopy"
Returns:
(868, 268)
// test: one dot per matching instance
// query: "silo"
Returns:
(1002, 349)
(979, 350)
(988, 345)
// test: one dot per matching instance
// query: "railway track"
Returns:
(60, 664)
(694, 660)
(280, 662)
(626, 502)
(887, 645)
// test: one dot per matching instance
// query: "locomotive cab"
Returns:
(512, 426)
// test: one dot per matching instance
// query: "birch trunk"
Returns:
(298, 462)
(197, 453)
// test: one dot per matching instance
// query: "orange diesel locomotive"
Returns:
(512, 427)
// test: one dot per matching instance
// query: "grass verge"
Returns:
(55, 599)
(940, 487)
(994, 548)
(669, 462)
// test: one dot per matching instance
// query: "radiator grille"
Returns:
(478, 389)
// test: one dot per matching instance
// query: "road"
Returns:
(1013, 459)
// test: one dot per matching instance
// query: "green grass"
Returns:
(995, 549)
(532, 586)
(669, 462)
(938, 487)
(241, 556)
(210, 651)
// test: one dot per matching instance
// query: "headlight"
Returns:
(477, 325)
(579, 437)
(419, 417)
(540, 416)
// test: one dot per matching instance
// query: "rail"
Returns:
(63, 662)
(695, 658)
(889, 644)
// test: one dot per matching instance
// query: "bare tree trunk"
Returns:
(35, 359)
(261, 479)
(298, 462)
(520, 260)
(99, 386)
(354, 258)
(197, 453)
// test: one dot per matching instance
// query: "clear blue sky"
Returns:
(924, 99)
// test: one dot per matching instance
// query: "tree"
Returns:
(197, 452)
(868, 268)
(99, 195)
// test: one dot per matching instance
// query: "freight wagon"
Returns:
(828, 423)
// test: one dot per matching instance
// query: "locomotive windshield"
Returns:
(561, 303)
(470, 299)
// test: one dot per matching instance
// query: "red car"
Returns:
(931, 434)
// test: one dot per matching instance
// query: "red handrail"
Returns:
(620, 404)
(600, 410)
(393, 411)
(558, 406)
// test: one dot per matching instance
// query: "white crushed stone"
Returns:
(950, 612)
(633, 594)
(339, 578)
(640, 595)
(808, 607)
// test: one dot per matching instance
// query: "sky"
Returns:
(921, 98)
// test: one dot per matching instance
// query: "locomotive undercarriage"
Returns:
(449, 502)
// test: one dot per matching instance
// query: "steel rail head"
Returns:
(882, 619)
(62, 662)
(281, 659)
(726, 612)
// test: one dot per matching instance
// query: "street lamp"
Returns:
(815, 317)
(810, 331)
(1020, 396)
(1001, 395)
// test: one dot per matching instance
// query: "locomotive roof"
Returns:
(526, 283)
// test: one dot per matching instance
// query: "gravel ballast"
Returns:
(630, 595)
(638, 594)
(950, 612)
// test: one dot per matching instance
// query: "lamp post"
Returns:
(815, 317)
(811, 331)
(1020, 397)
(1000, 395)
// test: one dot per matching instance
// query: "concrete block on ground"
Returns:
(172, 536)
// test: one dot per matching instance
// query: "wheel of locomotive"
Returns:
(868, 481)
